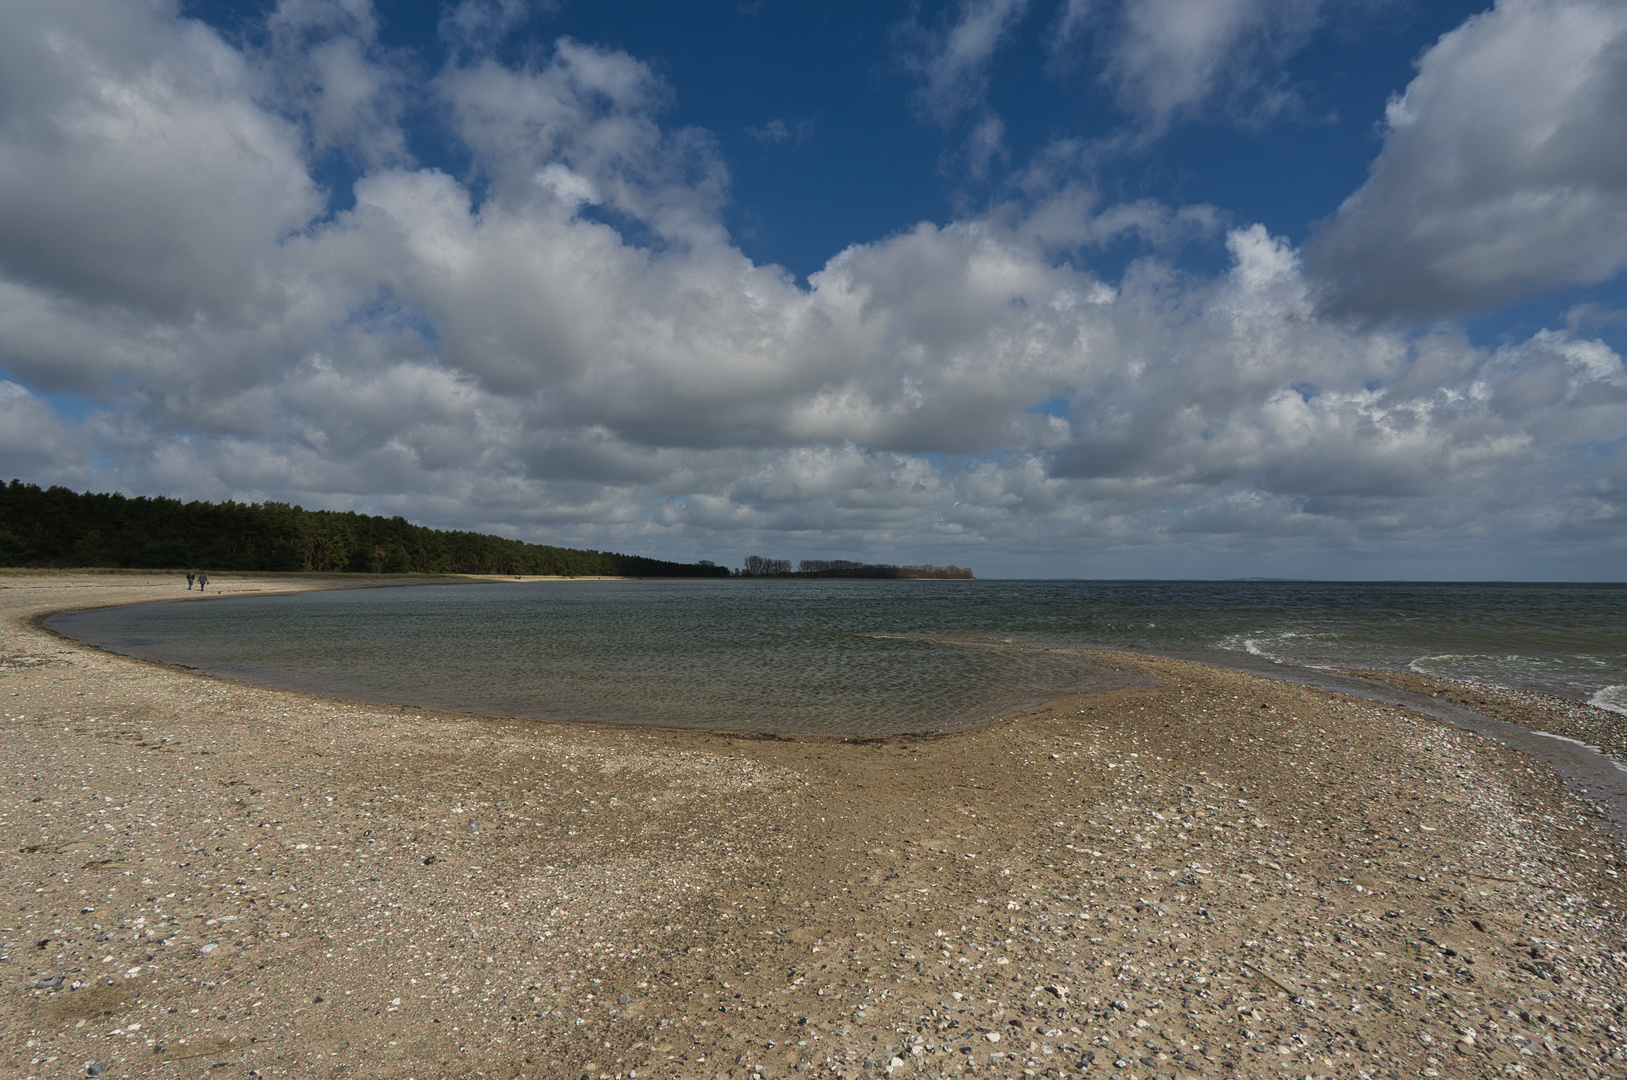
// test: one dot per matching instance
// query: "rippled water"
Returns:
(873, 657)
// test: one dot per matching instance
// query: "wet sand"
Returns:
(1223, 875)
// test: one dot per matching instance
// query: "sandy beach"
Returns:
(1220, 875)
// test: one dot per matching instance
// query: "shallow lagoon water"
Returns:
(854, 657)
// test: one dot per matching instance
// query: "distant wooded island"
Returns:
(59, 527)
(757, 566)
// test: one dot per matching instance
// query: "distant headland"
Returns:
(58, 527)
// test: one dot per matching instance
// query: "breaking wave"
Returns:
(1613, 698)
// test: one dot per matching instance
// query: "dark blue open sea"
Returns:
(855, 657)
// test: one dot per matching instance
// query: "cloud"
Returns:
(593, 111)
(1072, 20)
(136, 170)
(1501, 173)
(952, 61)
(564, 344)
(779, 133)
(35, 445)
(328, 68)
(1167, 58)
(475, 27)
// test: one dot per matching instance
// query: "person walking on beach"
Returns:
(190, 574)
(203, 579)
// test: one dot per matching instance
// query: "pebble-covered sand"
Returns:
(1601, 729)
(1219, 876)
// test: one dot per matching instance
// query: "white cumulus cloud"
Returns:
(1502, 171)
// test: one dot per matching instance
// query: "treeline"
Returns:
(757, 566)
(58, 527)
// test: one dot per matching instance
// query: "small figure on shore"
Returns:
(203, 579)
(190, 575)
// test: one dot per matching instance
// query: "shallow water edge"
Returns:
(1592, 775)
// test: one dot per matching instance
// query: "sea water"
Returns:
(856, 657)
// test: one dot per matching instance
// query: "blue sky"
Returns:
(1105, 288)
(816, 110)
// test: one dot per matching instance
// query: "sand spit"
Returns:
(1221, 876)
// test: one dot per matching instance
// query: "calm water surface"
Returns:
(864, 657)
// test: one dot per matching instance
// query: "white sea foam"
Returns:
(1613, 698)
(1279, 647)
(1508, 669)
(1237, 642)
(1578, 742)
(1566, 738)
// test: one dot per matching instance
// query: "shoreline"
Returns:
(1541, 712)
(1593, 761)
(1219, 875)
(1550, 714)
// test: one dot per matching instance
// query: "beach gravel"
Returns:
(1221, 875)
